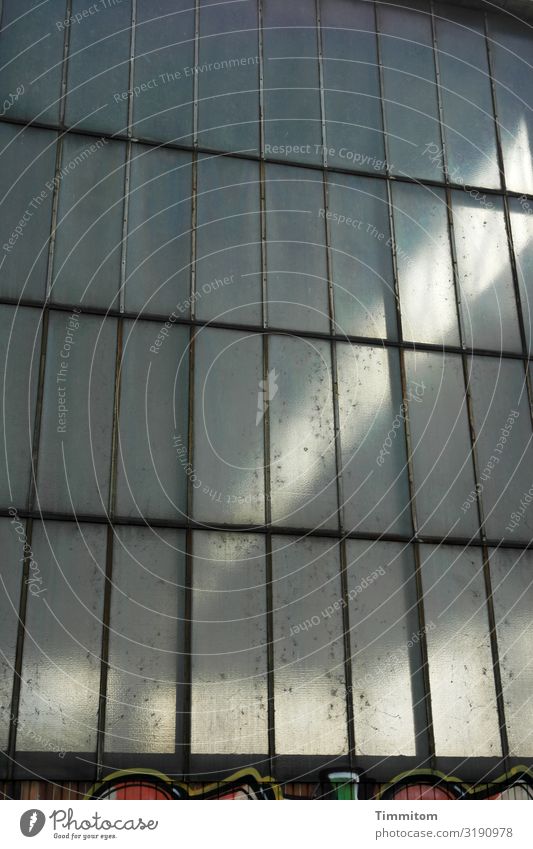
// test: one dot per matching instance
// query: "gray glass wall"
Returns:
(266, 468)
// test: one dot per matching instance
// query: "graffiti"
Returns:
(150, 784)
(434, 785)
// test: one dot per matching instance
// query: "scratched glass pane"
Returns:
(463, 693)
(228, 76)
(146, 642)
(372, 438)
(151, 481)
(425, 271)
(61, 661)
(229, 644)
(504, 445)
(12, 539)
(512, 52)
(31, 54)
(27, 166)
(99, 40)
(291, 81)
(512, 588)
(361, 260)
(309, 682)
(445, 486)
(164, 70)
(485, 276)
(410, 93)
(159, 232)
(468, 124)
(20, 352)
(297, 278)
(228, 252)
(521, 212)
(302, 449)
(354, 128)
(75, 444)
(227, 476)
(89, 225)
(387, 675)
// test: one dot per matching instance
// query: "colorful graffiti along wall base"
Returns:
(250, 785)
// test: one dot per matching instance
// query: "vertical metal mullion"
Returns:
(104, 655)
(440, 106)
(320, 51)
(381, 91)
(196, 80)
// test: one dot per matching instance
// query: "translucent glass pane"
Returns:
(164, 70)
(75, 446)
(504, 445)
(385, 638)
(512, 53)
(31, 54)
(302, 450)
(228, 76)
(27, 161)
(159, 232)
(151, 481)
(445, 487)
(227, 476)
(512, 587)
(309, 682)
(372, 437)
(62, 647)
(351, 86)
(96, 98)
(20, 352)
(296, 254)
(291, 81)
(88, 245)
(522, 227)
(425, 271)
(12, 539)
(146, 641)
(228, 247)
(410, 94)
(485, 277)
(468, 125)
(229, 644)
(361, 261)
(463, 694)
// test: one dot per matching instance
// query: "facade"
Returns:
(267, 467)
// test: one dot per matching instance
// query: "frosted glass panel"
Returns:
(425, 272)
(468, 125)
(164, 70)
(463, 694)
(11, 551)
(146, 641)
(159, 232)
(75, 445)
(153, 409)
(296, 254)
(62, 648)
(361, 259)
(445, 487)
(228, 247)
(372, 436)
(228, 478)
(20, 352)
(229, 644)
(385, 643)
(485, 277)
(351, 86)
(309, 682)
(302, 450)
(89, 226)
(27, 163)
(504, 446)
(521, 211)
(512, 587)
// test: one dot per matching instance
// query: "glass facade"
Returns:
(266, 476)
